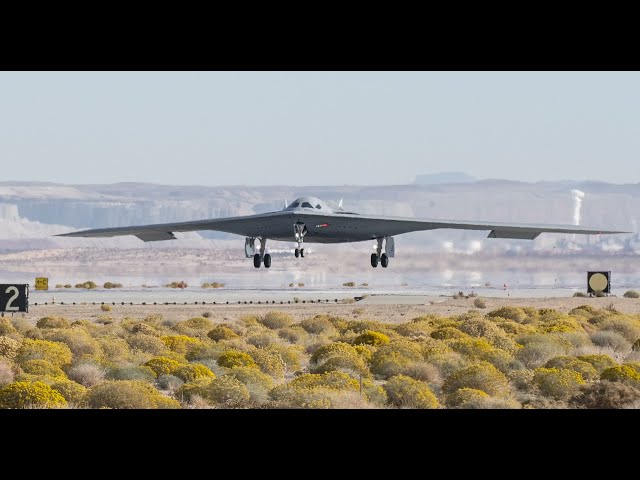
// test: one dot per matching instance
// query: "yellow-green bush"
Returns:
(196, 388)
(194, 327)
(123, 394)
(606, 395)
(465, 396)
(318, 325)
(559, 324)
(181, 343)
(599, 361)
(415, 329)
(269, 362)
(371, 337)
(557, 383)
(481, 376)
(144, 328)
(294, 334)
(55, 352)
(114, 348)
(191, 371)
(234, 358)
(166, 403)
(406, 392)
(163, 365)
(276, 320)
(258, 383)
(585, 369)
(313, 390)
(627, 327)
(392, 358)
(52, 322)
(87, 374)
(72, 392)
(9, 347)
(516, 314)
(228, 392)
(147, 344)
(6, 327)
(30, 395)
(291, 355)
(42, 367)
(105, 308)
(221, 332)
(448, 333)
(77, 339)
(141, 373)
(622, 373)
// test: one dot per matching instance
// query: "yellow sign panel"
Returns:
(42, 283)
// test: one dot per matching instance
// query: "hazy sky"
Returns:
(325, 128)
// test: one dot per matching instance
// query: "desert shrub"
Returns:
(144, 328)
(181, 343)
(448, 333)
(30, 395)
(622, 373)
(424, 371)
(557, 383)
(521, 379)
(463, 396)
(221, 332)
(330, 349)
(606, 395)
(276, 320)
(599, 361)
(194, 326)
(105, 308)
(370, 337)
(228, 392)
(481, 376)
(313, 390)
(87, 374)
(404, 391)
(318, 325)
(34, 334)
(479, 303)
(340, 360)
(635, 347)
(191, 371)
(516, 314)
(79, 341)
(269, 362)
(258, 383)
(631, 294)
(539, 348)
(634, 365)
(579, 294)
(580, 312)
(5, 326)
(123, 394)
(415, 329)
(294, 334)
(291, 355)
(42, 367)
(72, 392)
(110, 285)
(147, 344)
(7, 373)
(262, 339)
(114, 348)
(166, 403)
(559, 324)
(585, 369)
(55, 352)
(169, 382)
(141, 373)
(392, 358)
(52, 322)
(9, 347)
(198, 388)
(629, 329)
(163, 365)
(612, 340)
(234, 358)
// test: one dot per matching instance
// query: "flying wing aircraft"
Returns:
(310, 220)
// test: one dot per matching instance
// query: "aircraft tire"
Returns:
(384, 260)
(374, 260)
(267, 260)
(297, 252)
(256, 260)
(302, 252)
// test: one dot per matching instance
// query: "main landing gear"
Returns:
(299, 231)
(383, 258)
(258, 258)
(299, 252)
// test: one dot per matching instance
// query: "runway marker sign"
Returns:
(14, 298)
(42, 283)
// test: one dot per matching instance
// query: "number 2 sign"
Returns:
(14, 298)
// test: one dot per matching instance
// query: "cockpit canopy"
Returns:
(312, 203)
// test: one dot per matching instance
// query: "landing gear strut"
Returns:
(383, 258)
(299, 231)
(262, 257)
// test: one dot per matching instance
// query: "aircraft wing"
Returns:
(388, 226)
(250, 226)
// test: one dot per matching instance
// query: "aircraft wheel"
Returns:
(256, 260)
(384, 260)
(374, 260)
(302, 252)
(297, 252)
(267, 260)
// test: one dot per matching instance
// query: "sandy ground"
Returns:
(388, 312)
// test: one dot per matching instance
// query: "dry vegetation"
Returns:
(511, 357)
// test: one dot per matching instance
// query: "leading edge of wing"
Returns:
(498, 230)
(164, 231)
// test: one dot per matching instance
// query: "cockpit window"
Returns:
(318, 206)
(294, 205)
(306, 205)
